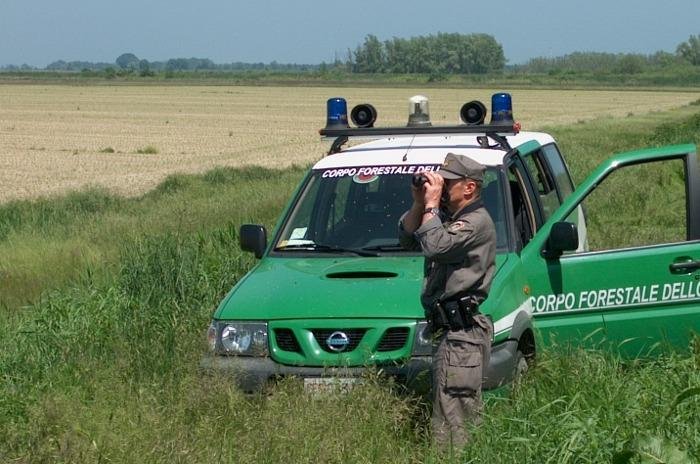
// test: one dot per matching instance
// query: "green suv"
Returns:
(334, 293)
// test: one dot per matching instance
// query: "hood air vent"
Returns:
(361, 275)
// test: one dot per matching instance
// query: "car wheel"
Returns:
(521, 366)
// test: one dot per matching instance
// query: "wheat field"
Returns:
(128, 138)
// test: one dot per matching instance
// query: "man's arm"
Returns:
(424, 197)
(413, 217)
(446, 245)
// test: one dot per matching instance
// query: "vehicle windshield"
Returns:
(360, 214)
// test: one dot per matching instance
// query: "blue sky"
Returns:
(37, 32)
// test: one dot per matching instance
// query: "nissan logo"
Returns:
(338, 341)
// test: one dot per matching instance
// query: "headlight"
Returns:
(422, 340)
(241, 338)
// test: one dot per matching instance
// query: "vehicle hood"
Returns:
(343, 287)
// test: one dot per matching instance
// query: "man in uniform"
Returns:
(459, 252)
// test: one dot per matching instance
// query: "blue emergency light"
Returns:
(501, 109)
(336, 113)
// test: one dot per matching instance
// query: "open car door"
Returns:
(637, 285)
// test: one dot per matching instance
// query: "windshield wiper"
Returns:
(392, 247)
(323, 248)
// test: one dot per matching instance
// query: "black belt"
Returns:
(455, 314)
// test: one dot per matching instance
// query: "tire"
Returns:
(521, 367)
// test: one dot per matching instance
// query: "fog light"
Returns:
(422, 340)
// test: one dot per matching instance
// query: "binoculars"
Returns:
(418, 180)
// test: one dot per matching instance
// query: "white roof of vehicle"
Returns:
(425, 149)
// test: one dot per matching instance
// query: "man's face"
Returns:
(457, 193)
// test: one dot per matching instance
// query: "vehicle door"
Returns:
(641, 272)
(539, 181)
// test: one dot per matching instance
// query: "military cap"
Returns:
(460, 167)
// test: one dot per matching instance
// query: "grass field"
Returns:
(129, 138)
(104, 302)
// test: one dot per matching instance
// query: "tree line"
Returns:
(433, 55)
(130, 63)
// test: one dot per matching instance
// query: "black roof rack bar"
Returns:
(484, 129)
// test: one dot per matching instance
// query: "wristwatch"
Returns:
(433, 210)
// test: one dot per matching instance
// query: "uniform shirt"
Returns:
(459, 254)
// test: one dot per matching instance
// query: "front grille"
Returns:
(393, 339)
(286, 341)
(355, 335)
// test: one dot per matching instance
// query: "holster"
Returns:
(454, 314)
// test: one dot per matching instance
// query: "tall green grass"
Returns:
(102, 363)
(109, 372)
(48, 242)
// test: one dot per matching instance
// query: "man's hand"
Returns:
(425, 196)
(418, 193)
(432, 190)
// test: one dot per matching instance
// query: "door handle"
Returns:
(684, 267)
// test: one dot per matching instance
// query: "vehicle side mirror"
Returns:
(253, 237)
(562, 237)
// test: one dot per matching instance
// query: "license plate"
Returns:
(329, 384)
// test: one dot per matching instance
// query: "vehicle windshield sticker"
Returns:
(364, 178)
(297, 233)
(616, 297)
(371, 171)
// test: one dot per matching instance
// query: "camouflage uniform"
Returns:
(459, 261)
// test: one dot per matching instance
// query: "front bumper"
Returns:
(252, 374)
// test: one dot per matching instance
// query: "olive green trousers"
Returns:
(459, 361)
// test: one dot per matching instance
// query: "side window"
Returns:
(522, 209)
(638, 205)
(559, 172)
(543, 182)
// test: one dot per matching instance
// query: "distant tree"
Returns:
(59, 65)
(193, 64)
(436, 56)
(127, 61)
(481, 54)
(369, 57)
(630, 64)
(663, 59)
(690, 50)
(145, 69)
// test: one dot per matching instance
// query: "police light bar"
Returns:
(472, 114)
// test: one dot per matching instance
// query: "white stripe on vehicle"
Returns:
(505, 324)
